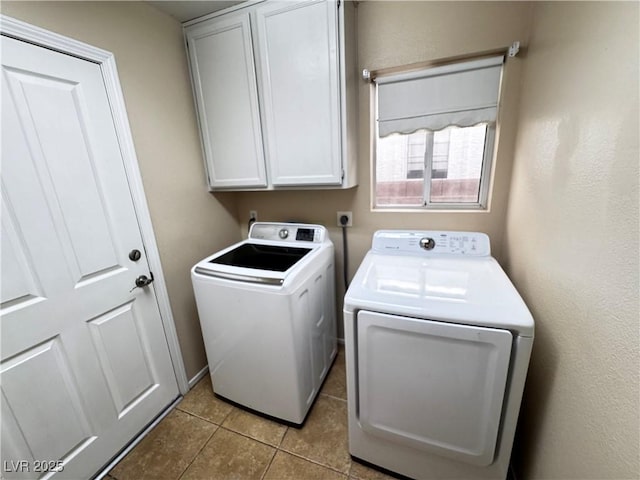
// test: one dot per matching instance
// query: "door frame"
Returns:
(26, 32)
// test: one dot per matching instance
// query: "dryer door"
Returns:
(434, 386)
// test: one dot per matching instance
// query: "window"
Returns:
(435, 134)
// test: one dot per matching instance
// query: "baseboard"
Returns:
(198, 376)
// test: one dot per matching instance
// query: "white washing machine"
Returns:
(438, 342)
(267, 312)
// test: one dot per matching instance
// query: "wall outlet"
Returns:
(253, 215)
(349, 215)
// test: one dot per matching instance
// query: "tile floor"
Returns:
(206, 438)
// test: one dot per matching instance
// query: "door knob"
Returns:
(143, 281)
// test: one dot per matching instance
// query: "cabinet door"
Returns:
(224, 81)
(437, 387)
(297, 48)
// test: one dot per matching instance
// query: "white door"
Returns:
(85, 364)
(299, 79)
(224, 81)
(434, 386)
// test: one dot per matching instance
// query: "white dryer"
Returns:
(438, 342)
(267, 312)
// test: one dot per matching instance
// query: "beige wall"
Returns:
(572, 241)
(392, 33)
(189, 222)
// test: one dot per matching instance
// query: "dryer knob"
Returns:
(283, 233)
(427, 243)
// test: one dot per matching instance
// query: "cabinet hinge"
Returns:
(342, 177)
(338, 3)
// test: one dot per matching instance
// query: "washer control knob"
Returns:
(283, 233)
(427, 243)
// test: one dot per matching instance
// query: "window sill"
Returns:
(429, 210)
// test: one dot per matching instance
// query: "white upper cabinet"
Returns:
(288, 114)
(299, 79)
(224, 84)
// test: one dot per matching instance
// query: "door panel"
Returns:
(67, 163)
(41, 389)
(85, 364)
(435, 386)
(125, 358)
(19, 280)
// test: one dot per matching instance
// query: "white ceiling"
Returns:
(189, 9)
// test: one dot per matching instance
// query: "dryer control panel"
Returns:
(432, 243)
(288, 232)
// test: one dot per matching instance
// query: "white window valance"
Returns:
(462, 94)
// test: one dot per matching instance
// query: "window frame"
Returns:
(483, 189)
(486, 175)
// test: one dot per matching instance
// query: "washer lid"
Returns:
(465, 290)
(261, 262)
(276, 258)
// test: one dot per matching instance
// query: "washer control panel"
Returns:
(432, 242)
(288, 232)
